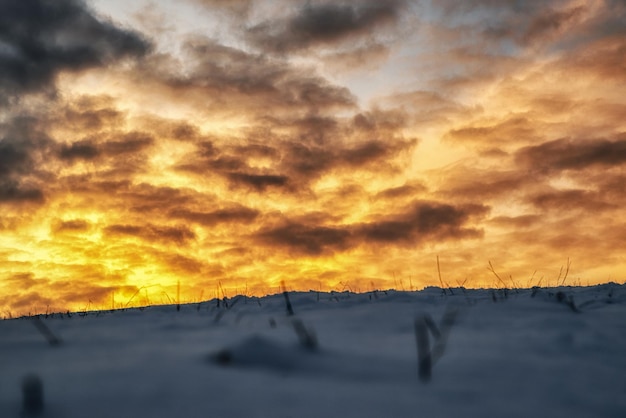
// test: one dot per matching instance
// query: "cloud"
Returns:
(368, 56)
(291, 153)
(493, 130)
(601, 58)
(166, 234)
(145, 198)
(535, 24)
(472, 183)
(518, 129)
(88, 114)
(74, 225)
(42, 38)
(235, 214)
(239, 8)
(84, 150)
(92, 148)
(23, 145)
(427, 107)
(516, 222)
(425, 222)
(13, 158)
(234, 81)
(180, 264)
(405, 191)
(305, 239)
(13, 192)
(550, 21)
(259, 182)
(323, 24)
(571, 200)
(566, 154)
(311, 161)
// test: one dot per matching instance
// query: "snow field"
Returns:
(509, 353)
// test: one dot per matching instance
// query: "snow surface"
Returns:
(525, 353)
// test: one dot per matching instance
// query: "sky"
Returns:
(215, 148)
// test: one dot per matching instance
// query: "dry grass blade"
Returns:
(307, 337)
(46, 332)
(424, 359)
(287, 301)
(448, 320)
(441, 280)
(491, 269)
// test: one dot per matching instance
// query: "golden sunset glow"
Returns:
(330, 145)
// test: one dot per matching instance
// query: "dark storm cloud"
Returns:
(12, 158)
(367, 138)
(128, 143)
(310, 128)
(565, 154)
(22, 146)
(38, 40)
(145, 198)
(259, 182)
(14, 192)
(229, 79)
(305, 239)
(91, 149)
(239, 214)
(365, 153)
(75, 225)
(307, 162)
(178, 235)
(82, 150)
(22, 140)
(234, 167)
(568, 200)
(91, 119)
(42, 38)
(426, 221)
(325, 23)
(294, 154)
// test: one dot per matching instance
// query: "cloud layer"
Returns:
(325, 144)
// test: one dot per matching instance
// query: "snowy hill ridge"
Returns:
(474, 353)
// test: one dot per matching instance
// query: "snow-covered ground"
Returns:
(527, 353)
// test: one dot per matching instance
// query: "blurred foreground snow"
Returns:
(541, 353)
